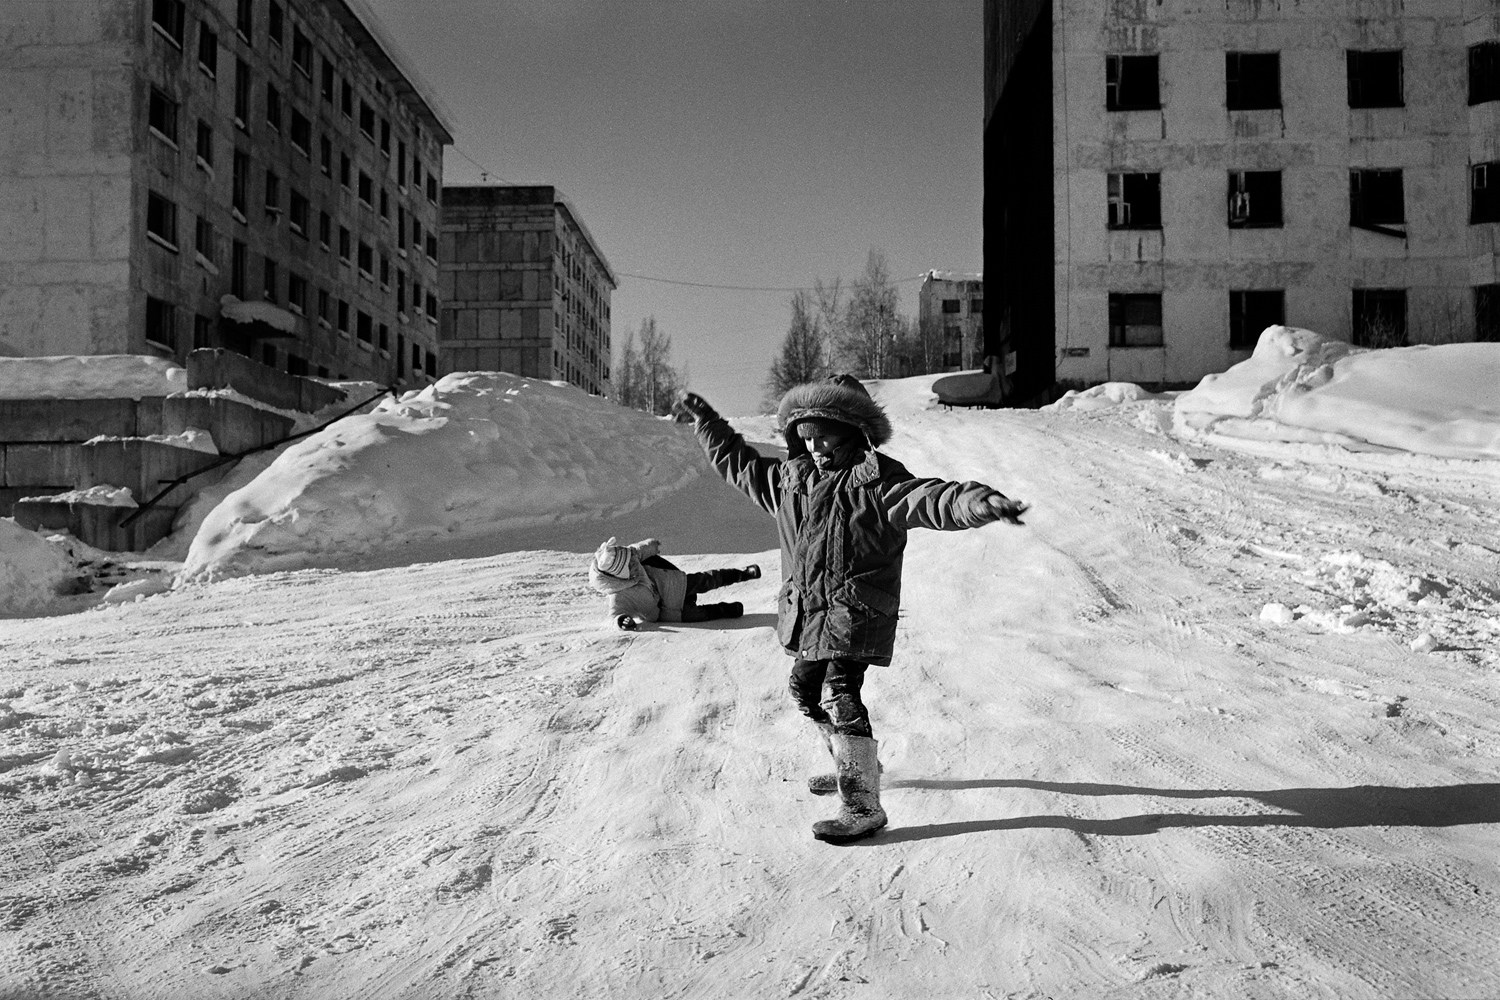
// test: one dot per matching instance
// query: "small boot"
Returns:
(828, 782)
(859, 788)
(729, 609)
(751, 572)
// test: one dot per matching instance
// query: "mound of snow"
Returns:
(475, 454)
(33, 571)
(90, 376)
(1103, 397)
(1301, 386)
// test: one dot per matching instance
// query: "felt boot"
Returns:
(729, 609)
(859, 789)
(828, 782)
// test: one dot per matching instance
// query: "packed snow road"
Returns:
(1168, 739)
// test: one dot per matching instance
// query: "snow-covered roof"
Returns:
(935, 275)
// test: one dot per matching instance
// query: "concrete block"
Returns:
(145, 467)
(42, 464)
(316, 395)
(218, 369)
(97, 524)
(236, 427)
(75, 420)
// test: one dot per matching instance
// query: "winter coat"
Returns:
(647, 592)
(843, 532)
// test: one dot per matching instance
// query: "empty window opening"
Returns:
(327, 80)
(239, 190)
(296, 292)
(367, 120)
(1484, 72)
(274, 22)
(161, 322)
(1131, 83)
(365, 328)
(1252, 80)
(273, 107)
(1380, 317)
(1375, 79)
(1376, 200)
(167, 18)
(1135, 319)
(301, 133)
(203, 239)
(1484, 192)
(1254, 198)
(1487, 313)
(298, 213)
(203, 332)
(1135, 201)
(208, 50)
(162, 116)
(268, 355)
(302, 52)
(273, 194)
(952, 305)
(241, 92)
(1250, 312)
(244, 20)
(205, 144)
(239, 267)
(161, 220)
(268, 284)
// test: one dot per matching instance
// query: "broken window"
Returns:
(952, 305)
(239, 189)
(1375, 79)
(167, 18)
(1484, 192)
(1487, 313)
(1380, 317)
(1376, 199)
(161, 322)
(1254, 198)
(161, 219)
(1131, 83)
(241, 92)
(205, 144)
(302, 52)
(1252, 80)
(1135, 319)
(1484, 72)
(162, 116)
(1134, 201)
(208, 49)
(1250, 312)
(268, 285)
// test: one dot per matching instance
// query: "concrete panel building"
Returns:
(261, 175)
(952, 304)
(1219, 167)
(525, 287)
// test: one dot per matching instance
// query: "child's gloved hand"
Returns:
(628, 622)
(1003, 508)
(696, 406)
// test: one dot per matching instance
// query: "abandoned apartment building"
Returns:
(1215, 170)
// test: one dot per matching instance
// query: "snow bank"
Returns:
(1301, 386)
(98, 376)
(33, 571)
(474, 454)
(1103, 397)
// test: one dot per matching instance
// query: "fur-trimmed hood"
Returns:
(839, 397)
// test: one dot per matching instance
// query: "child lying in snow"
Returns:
(644, 587)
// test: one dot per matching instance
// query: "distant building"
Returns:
(251, 174)
(525, 287)
(952, 305)
(1167, 180)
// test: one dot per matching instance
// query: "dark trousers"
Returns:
(828, 691)
(698, 583)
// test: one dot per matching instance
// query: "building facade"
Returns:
(951, 306)
(1215, 170)
(525, 288)
(261, 175)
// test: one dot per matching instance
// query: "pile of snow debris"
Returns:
(33, 571)
(1102, 397)
(473, 455)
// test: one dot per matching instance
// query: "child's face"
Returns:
(825, 441)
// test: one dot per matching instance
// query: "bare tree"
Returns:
(804, 351)
(647, 380)
(871, 327)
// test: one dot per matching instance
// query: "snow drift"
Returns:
(33, 571)
(99, 376)
(472, 455)
(1301, 386)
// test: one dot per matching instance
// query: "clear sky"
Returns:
(725, 142)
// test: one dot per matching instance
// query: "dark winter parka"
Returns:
(842, 532)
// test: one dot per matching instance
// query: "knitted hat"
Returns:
(840, 398)
(613, 559)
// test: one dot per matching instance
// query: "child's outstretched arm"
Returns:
(742, 467)
(949, 506)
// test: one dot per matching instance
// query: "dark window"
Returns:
(1254, 198)
(241, 93)
(296, 365)
(1484, 192)
(367, 120)
(385, 271)
(385, 204)
(432, 245)
(416, 233)
(1484, 72)
(205, 144)
(400, 355)
(274, 22)
(244, 21)
(1135, 320)
(301, 132)
(239, 257)
(203, 332)
(1252, 80)
(1375, 198)
(1487, 313)
(343, 323)
(385, 136)
(323, 299)
(239, 195)
(327, 80)
(400, 227)
(1380, 317)
(1130, 83)
(208, 49)
(268, 285)
(203, 239)
(401, 291)
(161, 322)
(432, 193)
(302, 52)
(346, 99)
(346, 244)
(1375, 79)
(383, 340)
(325, 155)
(273, 193)
(366, 259)
(325, 229)
(401, 165)
(432, 306)
(1250, 313)
(431, 365)
(273, 107)
(366, 188)
(162, 116)
(268, 355)
(953, 305)
(161, 219)
(365, 327)
(345, 169)
(1135, 201)
(167, 17)
(416, 172)
(296, 291)
(416, 358)
(297, 215)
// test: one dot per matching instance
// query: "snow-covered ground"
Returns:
(1171, 738)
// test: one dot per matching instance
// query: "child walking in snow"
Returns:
(842, 511)
(643, 587)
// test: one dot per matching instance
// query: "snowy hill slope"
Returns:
(1107, 775)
